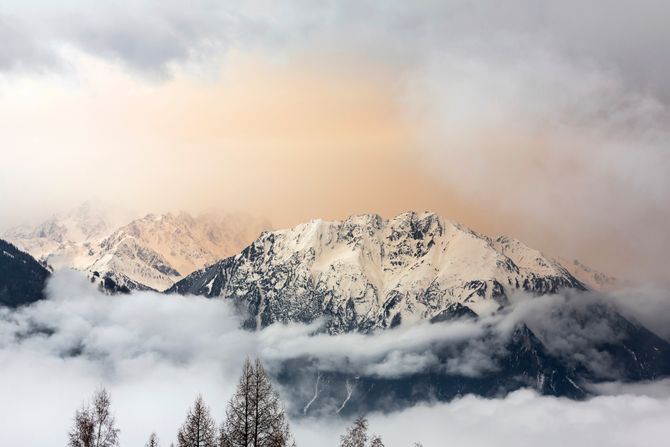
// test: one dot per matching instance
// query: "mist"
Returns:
(521, 419)
(533, 120)
(155, 353)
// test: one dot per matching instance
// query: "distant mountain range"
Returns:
(155, 251)
(64, 239)
(148, 253)
(364, 274)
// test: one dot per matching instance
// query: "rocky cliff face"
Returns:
(366, 272)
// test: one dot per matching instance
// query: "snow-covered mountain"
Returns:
(158, 250)
(65, 240)
(22, 278)
(367, 272)
(151, 252)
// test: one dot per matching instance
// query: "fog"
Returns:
(521, 419)
(155, 353)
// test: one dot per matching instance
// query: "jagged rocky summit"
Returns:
(146, 253)
(366, 272)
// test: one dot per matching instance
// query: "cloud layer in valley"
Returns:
(522, 419)
(56, 352)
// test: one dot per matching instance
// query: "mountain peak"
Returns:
(152, 251)
(366, 272)
(366, 220)
(158, 249)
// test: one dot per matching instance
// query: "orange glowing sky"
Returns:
(292, 139)
(305, 113)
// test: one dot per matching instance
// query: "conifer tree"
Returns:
(224, 440)
(94, 424)
(236, 430)
(255, 417)
(198, 429)
(357, 435)
(153, 441)
(82, 432)
(269, 424)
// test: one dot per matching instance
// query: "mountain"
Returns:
(65, 240)
(22, 278)
(592, 278)
(148, 253)
(366, 272)
(522, 361)
(158, 250)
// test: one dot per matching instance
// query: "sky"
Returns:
(56, 352)
(547, 121)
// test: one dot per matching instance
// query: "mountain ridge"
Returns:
(146, 253)
(22, 277)
(367, 272)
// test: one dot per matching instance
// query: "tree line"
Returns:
(254, 417)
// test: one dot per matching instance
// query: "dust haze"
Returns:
(546, 121)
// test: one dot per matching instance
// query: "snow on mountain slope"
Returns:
(85, 222)
(150, 252)
(157, 250)
(366, 272)
(65, 240)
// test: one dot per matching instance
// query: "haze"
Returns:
(547, 121)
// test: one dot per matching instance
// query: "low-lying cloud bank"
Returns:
(155, 353)
(522, 419)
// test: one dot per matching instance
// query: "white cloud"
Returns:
(155, 353)
(648, 304)
(522, 419)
